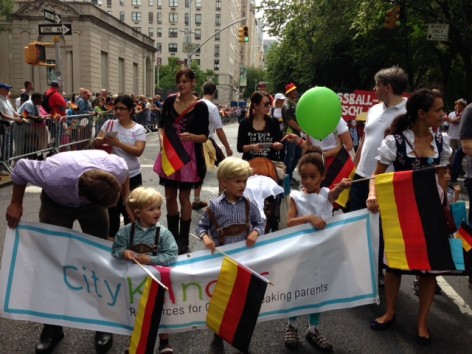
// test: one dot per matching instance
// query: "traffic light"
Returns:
(35, 53)
(392, 18)
(241, 35)
(389, 19)
(246, 34)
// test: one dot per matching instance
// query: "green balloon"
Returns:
(318, 112)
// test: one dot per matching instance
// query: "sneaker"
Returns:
(166, 349)
(199, 205)
(319, 341)
(416, 287)
(291, 337)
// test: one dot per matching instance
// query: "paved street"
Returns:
(348, 330)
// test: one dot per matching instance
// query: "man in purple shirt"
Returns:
(76, 185)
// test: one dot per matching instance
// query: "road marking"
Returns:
(455, 297)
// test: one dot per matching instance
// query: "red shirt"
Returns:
(57, 103)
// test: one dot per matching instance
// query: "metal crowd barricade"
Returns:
(34, 139)
(100, 120)
(75, 132)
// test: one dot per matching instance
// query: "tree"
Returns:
(168, 72)
(342, 43)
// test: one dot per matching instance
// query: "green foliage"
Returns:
(343, 43)
(254, 76)
(6, 8)
(168, 72)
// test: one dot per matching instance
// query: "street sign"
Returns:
(51, 16)
(189, 47)
(437, 32)
(64, 29)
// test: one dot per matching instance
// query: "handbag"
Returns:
(105, 146)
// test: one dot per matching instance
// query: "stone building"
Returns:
(96, 51)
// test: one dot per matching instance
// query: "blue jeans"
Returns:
(292, 155)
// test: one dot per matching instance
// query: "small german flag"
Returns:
(338, 168)
(25, 114)
(413, 224)
(465, 234)
(147, 321)
(235, 304)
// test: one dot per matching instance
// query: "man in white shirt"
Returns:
(216, 125)
(390, 84)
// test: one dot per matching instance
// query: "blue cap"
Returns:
(5, 86)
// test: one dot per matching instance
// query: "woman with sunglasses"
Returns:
(259, 134)
(183, 129)
(128, 140)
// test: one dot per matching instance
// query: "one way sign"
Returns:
(52, 17)
(64, 29)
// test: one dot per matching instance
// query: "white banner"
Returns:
(59, 276)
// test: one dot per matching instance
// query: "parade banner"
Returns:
(59, 276)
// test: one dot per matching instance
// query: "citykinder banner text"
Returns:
(59, 276)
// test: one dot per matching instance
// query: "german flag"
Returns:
(147, 322)
(235, 304)
(338, 168)
(25, 114)
(174, 155)
(413, 224)
(465, 234)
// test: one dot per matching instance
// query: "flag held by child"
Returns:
(413, 224)
(235, 304)
(148, 318)
(340, 167)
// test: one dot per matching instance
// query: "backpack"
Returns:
(45, 103)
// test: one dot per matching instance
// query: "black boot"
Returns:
(173, 226)
(184, 236)
(50, 336)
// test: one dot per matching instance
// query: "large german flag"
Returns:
(413, 224)
(147, 322)
(341, 166)
(235, 304)
(174, 155)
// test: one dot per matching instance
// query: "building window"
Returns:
(217, 36)
(109, 3)
(216, 65)
(187, 19)
(122, 16)
(159, 47)
(217, 50)
(173, 32)
(159, 4)
(187, 3)
(136, 16)
(198, 33)
(172, 47)
(173, 3)
(196, 61)
(150, 32)
(159, 18)
(159, 32)
(198, 4)
(105, 68)
(173, 17)
(136, 2)
(151, 17)
(151, 2)
(198, 19)
(218, 20)
(122, 2)
(218, 4)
